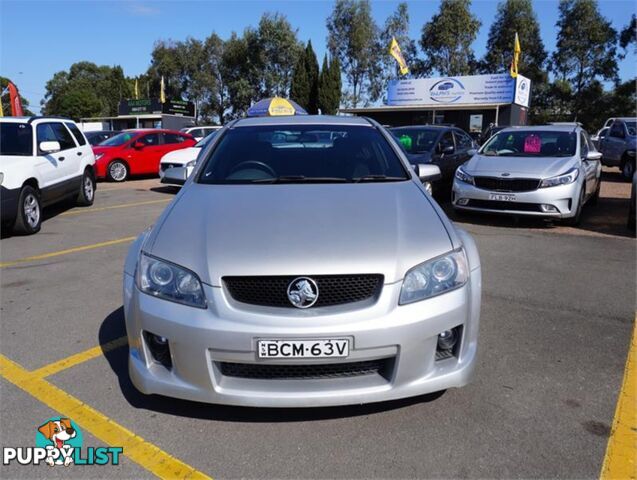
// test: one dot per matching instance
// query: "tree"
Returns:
(586, 48)
(353, 39)
(446, 39)
(241, 63)
(6, 99)
(217, 101)
(516, 16)
(629, 35)
(397, 26)
(312, 69)
(300, 88)
(329, 94)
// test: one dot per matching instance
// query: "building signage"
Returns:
(179, 107)
(475, 123)
(522, 91)
(465, 90)
(142, 106)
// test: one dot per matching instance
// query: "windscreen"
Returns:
(206, 140)
(531, 143)
(416, 140)
(16, 139)
(119, 139)
(297, 154)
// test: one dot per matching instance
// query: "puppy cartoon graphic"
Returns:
(58, 432)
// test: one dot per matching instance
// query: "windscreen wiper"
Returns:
(377, 178)
(299, 179)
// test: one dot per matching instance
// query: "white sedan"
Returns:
(186, 157)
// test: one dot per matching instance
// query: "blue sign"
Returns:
(467, 90)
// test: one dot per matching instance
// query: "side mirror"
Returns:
(427, 172)
(447, 150)
(50, 147)
(175, 176)
(593, 155)
(138, 145)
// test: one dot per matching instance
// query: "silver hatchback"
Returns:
(302, 264)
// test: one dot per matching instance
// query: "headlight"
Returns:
(98, 156)
(434, 277)
(168, 281)
(464, 176)
(191, 164)
(564, 179)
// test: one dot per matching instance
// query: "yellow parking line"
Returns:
(78, 358)
(80, 211)
(140, 451)
(621, 453)
(66, 252)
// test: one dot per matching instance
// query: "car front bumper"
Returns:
(563, 198)
(404, 337)
(8, 204)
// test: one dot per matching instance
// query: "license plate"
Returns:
(503, 197)
(327, 348)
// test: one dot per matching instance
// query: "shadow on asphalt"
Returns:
(113, 327)
(167, 189)
(49, 212)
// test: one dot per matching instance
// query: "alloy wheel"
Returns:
(31, 210)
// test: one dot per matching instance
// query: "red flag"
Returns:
(16, 103)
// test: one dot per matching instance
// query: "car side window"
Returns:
(76, 133)
(463, 141)
(171, 138)
(197, 132)
(150, 140)
(617, 130)
(445, 141)
(54, 132)
(583, 148)
(63, 136)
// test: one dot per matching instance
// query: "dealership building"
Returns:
(469, 102)
(145, 113)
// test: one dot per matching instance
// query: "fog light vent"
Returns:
(159, 349)
(448, 343)
(462, 201)
(549, 208)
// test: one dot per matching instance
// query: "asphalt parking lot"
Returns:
(557, 319)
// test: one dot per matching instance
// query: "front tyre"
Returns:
(117, 171)
(628, 168)
(29, 216)
(86, 196)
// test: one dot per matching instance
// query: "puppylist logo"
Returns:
(58, 441)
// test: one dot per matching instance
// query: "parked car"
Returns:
(43, 160)
(200, 132)
(618, 147)
(545, 171)
(601, 133)
(490, 131)
(446, 147)
(294, 276)
(98, 136)
(135, 152)
(186, 157)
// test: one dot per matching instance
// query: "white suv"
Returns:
(42, 160)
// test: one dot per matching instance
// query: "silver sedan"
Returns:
(546, 171)
(302, 264)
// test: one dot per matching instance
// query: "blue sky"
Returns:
(39, 38)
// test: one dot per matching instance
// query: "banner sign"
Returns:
(144, 106)
(522, 91)
(178, 107)
(464, 90)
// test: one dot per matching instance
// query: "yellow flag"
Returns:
(1, 111)
(162, 91)
(136, 90)
(394, 50)
(516, 56)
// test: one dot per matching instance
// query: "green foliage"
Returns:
(397, 26)
(6, 99)
(446, 39)
(629, 35)
(586, 49)
(329, 93)
(312, 69)
(353, 39)
(300, 88)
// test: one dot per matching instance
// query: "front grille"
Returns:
(333, 289)
(507, 184)
(166, 166)
(261, 371)
(498, 205)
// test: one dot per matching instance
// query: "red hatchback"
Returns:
(135, 152)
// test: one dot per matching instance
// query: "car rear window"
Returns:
(16, 139)
(531, 143)
(119, 139)
(314, 153)
(416, 140)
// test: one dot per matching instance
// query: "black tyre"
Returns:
(628, 168)
(86, 196)
(595, 198)
(575, 221)
(117, 171)
(29, 216)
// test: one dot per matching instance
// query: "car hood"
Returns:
(184, 155)
(530, 167)
(308, 229)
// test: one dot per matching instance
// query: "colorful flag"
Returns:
(136, 90)
(394, 50)
(516, 56)
(162, 91)
(1, 110)
(16, 103)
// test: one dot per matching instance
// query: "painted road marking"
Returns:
(66, 252)
(140, 451)
(620, 460)
(78, 358)
(80, 211)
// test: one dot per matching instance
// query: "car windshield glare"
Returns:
(263, 155)
(416, 140)
(531, 143)
(16, 139)
(117, 140)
